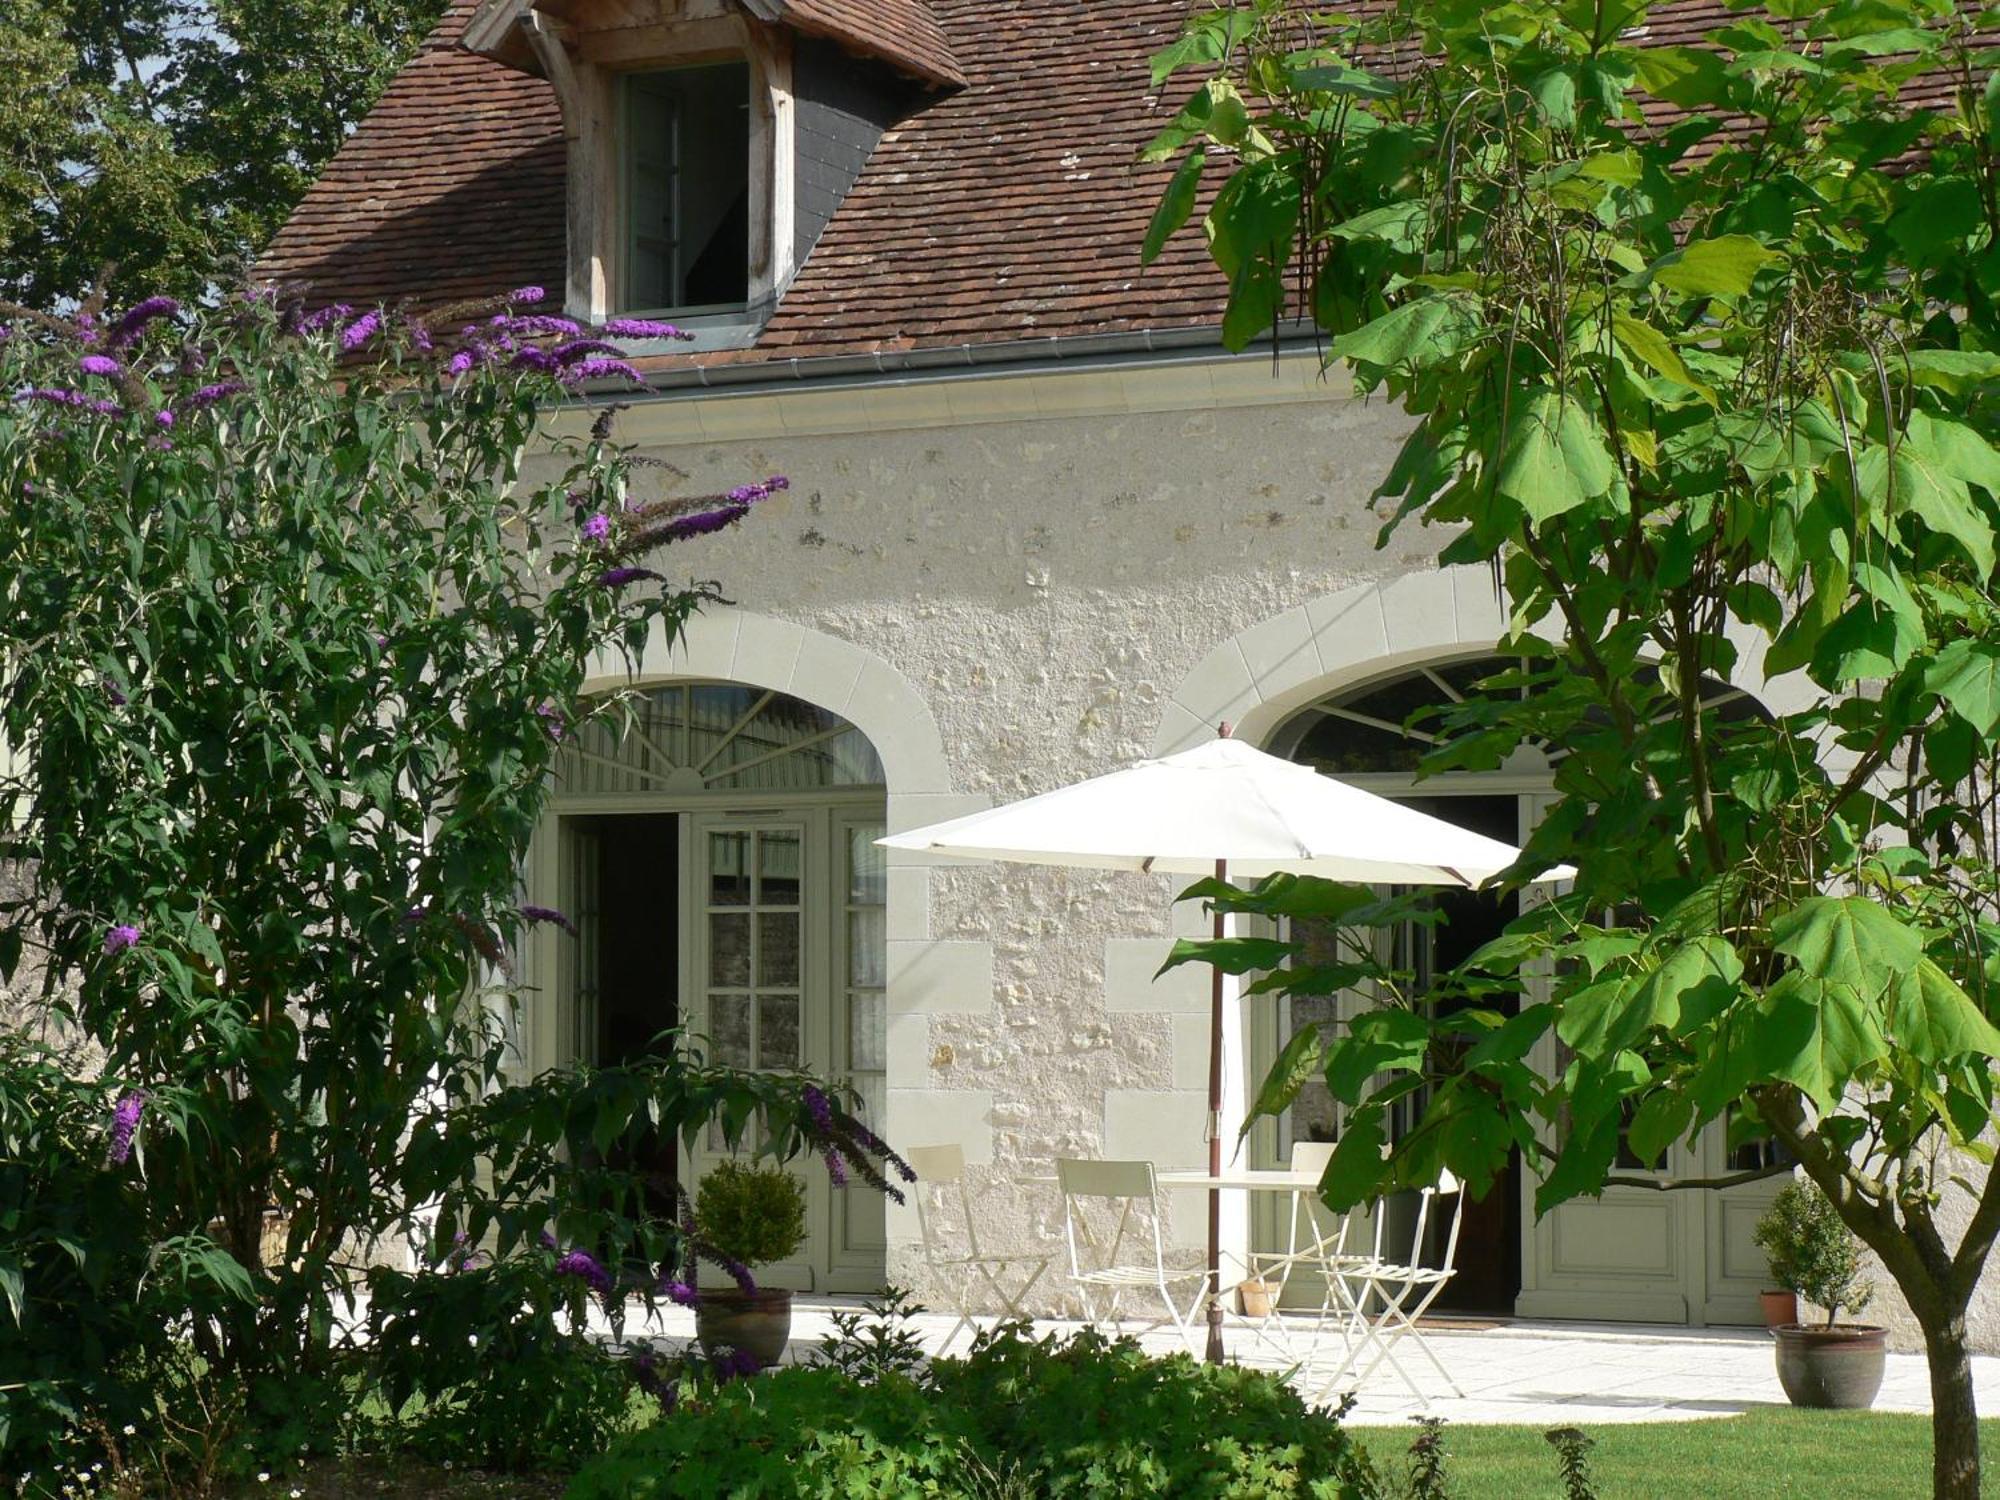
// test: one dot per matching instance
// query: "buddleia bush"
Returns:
(293, 636)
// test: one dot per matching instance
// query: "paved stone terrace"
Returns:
(1537, 1373)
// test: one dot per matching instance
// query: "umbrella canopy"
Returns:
(1226, 809)
(1224, 800)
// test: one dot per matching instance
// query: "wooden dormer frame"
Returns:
(583, 61)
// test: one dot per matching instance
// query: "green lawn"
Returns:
(1807, 1454)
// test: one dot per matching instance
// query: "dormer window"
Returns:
(685, 134)
(709, 142)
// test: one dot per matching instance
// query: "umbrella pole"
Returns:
(1214, 1350)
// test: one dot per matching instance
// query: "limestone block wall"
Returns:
(1034, 571)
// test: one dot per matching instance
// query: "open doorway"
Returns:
(1489, 1243)
(628, 965)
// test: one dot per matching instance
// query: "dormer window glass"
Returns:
(687, 189)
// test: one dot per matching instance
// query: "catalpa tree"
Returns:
(1699, 343)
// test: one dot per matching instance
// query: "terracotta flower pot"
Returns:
(756, 1323)
(1838, 1368)
(1779, 1308)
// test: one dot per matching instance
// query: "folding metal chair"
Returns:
(1099, 1200)
(1389, 1296)
(963, 1273)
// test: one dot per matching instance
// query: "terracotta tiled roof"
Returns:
(452, 187)
(903, 33)
(1009, 210)
(1013, 209)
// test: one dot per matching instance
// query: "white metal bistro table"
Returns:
(1292, 1184)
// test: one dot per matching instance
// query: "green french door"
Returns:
(785, 969)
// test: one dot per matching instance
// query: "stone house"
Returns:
(1040, 524)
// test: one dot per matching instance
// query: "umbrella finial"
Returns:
(1225, 730)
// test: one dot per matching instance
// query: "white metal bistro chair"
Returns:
(1388, 1296)
(1111, 1219)
(1009, 1277)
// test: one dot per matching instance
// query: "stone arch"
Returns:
(1259, 676)
(726, 644)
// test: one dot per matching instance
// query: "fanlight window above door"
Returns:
(1391, 724)
(716, 737)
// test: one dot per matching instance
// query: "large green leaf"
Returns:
(1555, 458)
(1378, 1041)
(1933, 1019)
(1297, 1064)
(1420, 331)
(1816, 1035)
(1176, 205)
(1929, 474)
(1966, 674)
(1847, 940)
(1721, 267)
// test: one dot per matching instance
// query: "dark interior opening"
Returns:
(1489, 1242)
(635, 939)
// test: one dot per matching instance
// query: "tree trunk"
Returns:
(1954, 1417)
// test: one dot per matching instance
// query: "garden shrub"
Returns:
(475, 1365)
(294, 636)
(1083, 1415)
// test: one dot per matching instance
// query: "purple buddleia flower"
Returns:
(819, 1107)
(584, 1266)
(532, 358)
(326, 317)
(540, 325)
(598, 527)
(115, 694)
(159, 442)
(577, 349)
(678, 1291)
(460, 362)
(641, 328)
(164, 417)
(360, 331)
(548, 914)
(601, 369)
(738, 1364)
(208, 395)
(99, 364)
(528, 294)
(420, 337)
(553, 723)
(836, 1167)
(701, 523)
(124, 1125)
(613, 578)
(120, 937)
(50, 396)
(740, 1274)
(129, 327)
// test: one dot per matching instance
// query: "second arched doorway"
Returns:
(1632, 1255)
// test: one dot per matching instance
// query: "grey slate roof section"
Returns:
(842, 106)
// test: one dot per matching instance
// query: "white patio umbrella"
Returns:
(1227, 809)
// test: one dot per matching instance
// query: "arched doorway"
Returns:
(714, 846)
(1631, 1255)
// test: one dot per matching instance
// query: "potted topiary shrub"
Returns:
(1815, 1256)
(748, 1217)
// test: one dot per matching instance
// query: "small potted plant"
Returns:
(1816, 1257)
(749, 1217)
